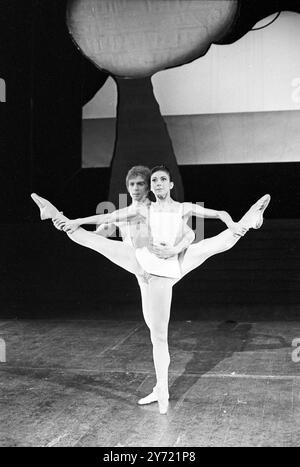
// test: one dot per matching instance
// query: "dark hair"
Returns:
(137, 170)
(163, 168)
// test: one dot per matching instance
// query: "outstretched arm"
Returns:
(115, 216)
(70, 225)
(192, 209)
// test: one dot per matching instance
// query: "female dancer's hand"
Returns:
(58, 223)
(226, 218)
(237, 229)
(68, 226)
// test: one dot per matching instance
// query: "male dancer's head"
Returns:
(138, 183)
(161, 182)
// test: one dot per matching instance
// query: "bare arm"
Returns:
(192, 209)
(115, 216)
(70, 225)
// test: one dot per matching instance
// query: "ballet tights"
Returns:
(159, 305)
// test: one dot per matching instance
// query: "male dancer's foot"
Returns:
(253, 219)
(47, 210)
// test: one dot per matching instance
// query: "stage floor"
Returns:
(77, 382)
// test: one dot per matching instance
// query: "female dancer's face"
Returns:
(138, 188)
(161, 184)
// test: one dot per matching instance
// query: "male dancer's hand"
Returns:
(163, 251)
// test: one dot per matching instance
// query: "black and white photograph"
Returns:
(150, 226)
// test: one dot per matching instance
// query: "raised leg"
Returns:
(47, 210)
(118, 252)
(197, 253)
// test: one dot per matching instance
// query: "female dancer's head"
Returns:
(138, 182)
(161, 182)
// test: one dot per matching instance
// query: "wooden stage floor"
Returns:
(77, 382)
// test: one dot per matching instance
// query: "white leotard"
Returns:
(165, 227)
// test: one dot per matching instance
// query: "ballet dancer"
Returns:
(165, 217)
(138, 186)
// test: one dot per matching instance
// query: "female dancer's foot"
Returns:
(163, 400)
(253, 219)
(153, 397)
(47, 210)
(160, 396)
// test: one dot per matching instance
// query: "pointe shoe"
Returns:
(47, 210)
(153, 397)
(163, 400)
(253, 219)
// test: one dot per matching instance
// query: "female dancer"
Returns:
(138, 186)
(165, 219)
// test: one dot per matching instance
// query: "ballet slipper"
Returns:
(47, 210)
(253, 219)
(163, 400)
(153, 397)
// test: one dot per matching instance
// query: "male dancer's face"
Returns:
(138, 188)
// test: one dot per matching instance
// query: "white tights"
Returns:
(156, 293)
(157, 298)
(156, 301)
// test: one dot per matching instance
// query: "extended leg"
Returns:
(47, 210)
(197, 253)
(118, 252)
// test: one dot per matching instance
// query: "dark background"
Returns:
(42, 273)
